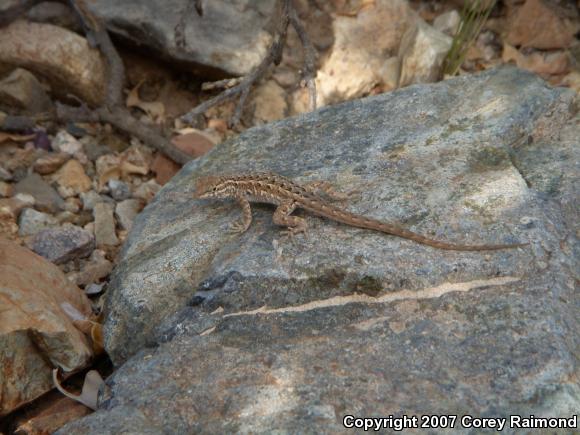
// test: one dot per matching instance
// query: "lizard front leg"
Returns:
(282, 217)
(326, 188)
(243, 224)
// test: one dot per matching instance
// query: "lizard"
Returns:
(266, 187)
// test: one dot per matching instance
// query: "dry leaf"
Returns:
(97, 338)
(4, 137)
(86, 326)
(115, 167)
(90, 391)
(155, 109)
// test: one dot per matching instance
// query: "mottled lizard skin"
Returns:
(287, 196)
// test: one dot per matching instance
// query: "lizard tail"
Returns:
(355, 220)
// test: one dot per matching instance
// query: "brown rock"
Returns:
(422, 52)
(572, 80)
(218, 124)
(72, 176)
(63, 58)
(35, 333)
(545, 63)
(194, 143)
(32, 221)
(62, 244)
(93, 271)
(135, 160)
(49, 163)
(270, 103)
(125, 212)
(73, 205)
(13, 206)
(164, 168)
(541, 24)
(362, 42)
(447, 22)
(58, 412)
(8, 226)
(5, 174)
(147, 191)
(24, 93)
(105, 225)
(46, 198)
(19, 160)
(6, 189)
(66, 143)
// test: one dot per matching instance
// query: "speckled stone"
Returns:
(219, 333)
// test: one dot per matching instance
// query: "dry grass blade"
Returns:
(473, 17)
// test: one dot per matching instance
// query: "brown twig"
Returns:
(273, 56)
(120, 118)
(221, 84)
(309, 71)
(112, 111)
(97, 33)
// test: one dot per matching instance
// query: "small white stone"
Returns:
(422, 52)
(447, 22)
(66, 143)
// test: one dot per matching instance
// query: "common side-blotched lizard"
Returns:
(288, 196)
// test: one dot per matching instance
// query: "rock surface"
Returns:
(23, 92)
(125, 212)
(62, 57)
(62, 244)
(543, 24)
(72, 178)
(447, 22)
(421, 53)
(231, 37)
(35, 333)
(362, 44)
(96, 268)
(49, 163)
(253, 332)
(32, 221)
(47, 199)
(6, 189)
(105, 224)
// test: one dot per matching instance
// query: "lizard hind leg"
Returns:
(294, 224)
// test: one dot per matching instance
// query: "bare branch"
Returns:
(309, 71)
(221, 84)
(97, 33)
(120, 118)
(113, 111)
(238, 112)
(274, 55)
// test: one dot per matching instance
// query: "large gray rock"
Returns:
(255, 333)
(231, 37)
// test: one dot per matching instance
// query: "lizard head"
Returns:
(209, 187)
